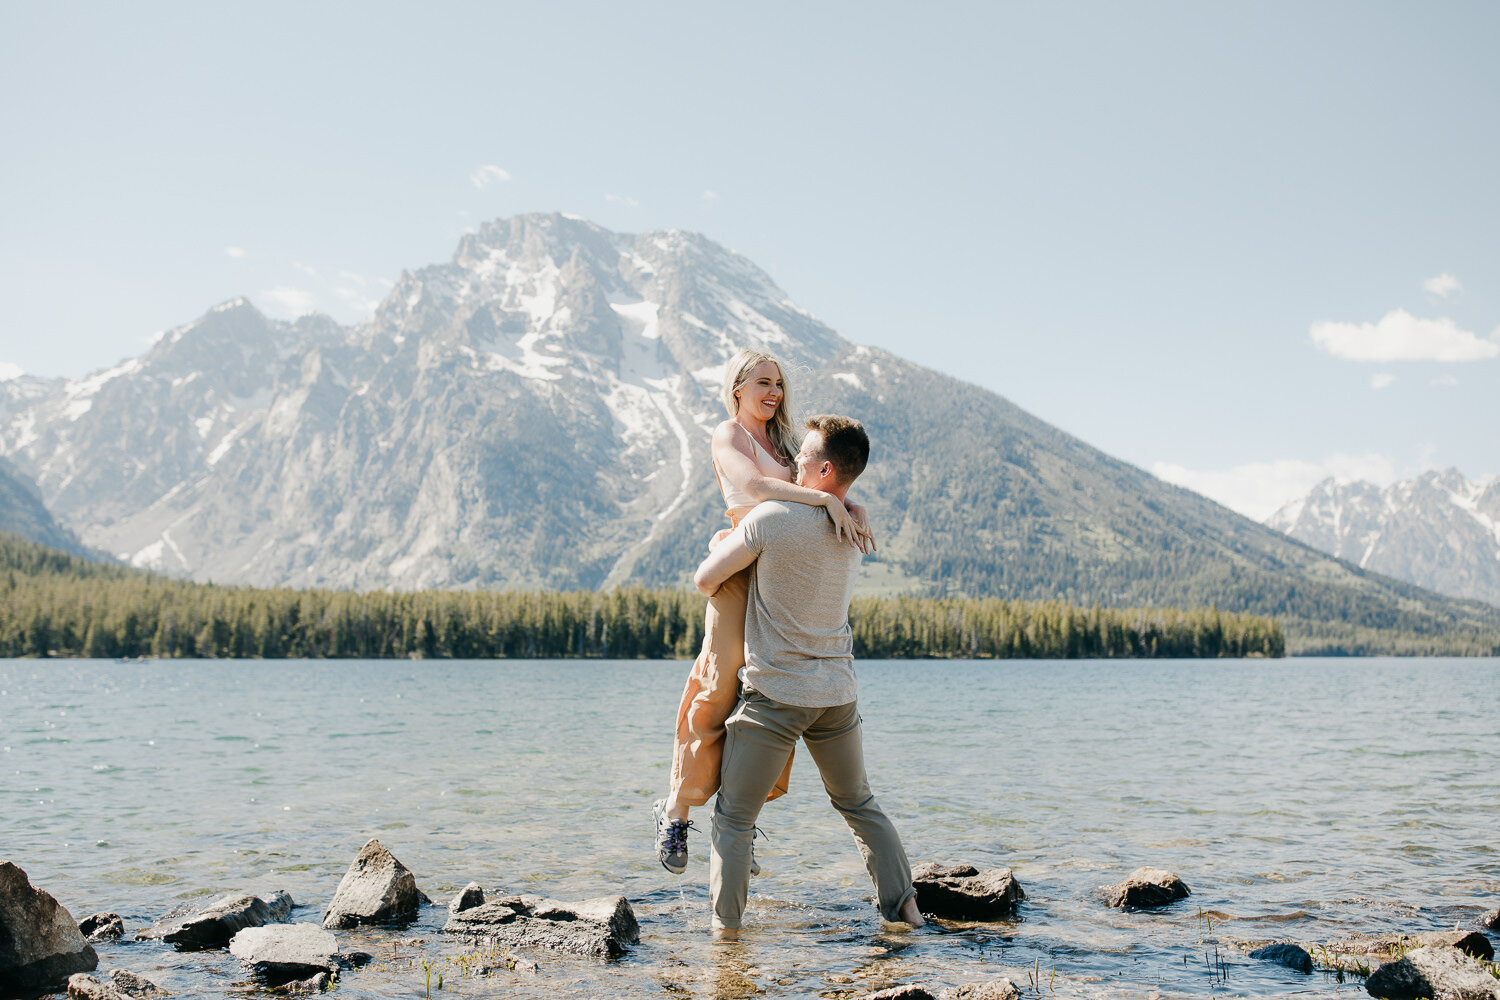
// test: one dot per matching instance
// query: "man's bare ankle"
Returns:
(911, 914)
(726, 933)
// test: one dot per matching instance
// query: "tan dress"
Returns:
(713, 685)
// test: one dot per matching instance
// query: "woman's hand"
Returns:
(862, 523)
(719, 536)
(845, 526)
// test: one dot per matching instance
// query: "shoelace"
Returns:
(674, 835)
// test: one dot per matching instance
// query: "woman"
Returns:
(753, 455)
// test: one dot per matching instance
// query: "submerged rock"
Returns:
(963, 892)
(1471, 943)
(912, 991)
(101, 927)
(1147, 887)
(377, 889)
(999, 989)
(40, 943)
(1293, 956)
(222, 919)
(280, 953)
(597, 928)
(468, 897)
(123, 986)
(1435, 972)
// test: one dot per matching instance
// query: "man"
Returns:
(798, 677)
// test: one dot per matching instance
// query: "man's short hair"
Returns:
(845, 444)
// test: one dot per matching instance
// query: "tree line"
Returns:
(53, 604)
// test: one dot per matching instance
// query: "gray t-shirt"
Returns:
(798, 647)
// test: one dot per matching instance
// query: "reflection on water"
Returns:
(1302, 798)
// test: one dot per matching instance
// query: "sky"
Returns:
(1244, 246)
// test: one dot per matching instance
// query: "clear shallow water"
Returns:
(1301, 798)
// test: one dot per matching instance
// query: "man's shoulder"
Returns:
(785, 512)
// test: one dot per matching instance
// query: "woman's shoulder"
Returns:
(729, 432)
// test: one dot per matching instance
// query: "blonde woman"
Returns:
(752, 457)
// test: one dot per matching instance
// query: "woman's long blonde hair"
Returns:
(780, 429)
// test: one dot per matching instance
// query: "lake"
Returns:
(1302, 798)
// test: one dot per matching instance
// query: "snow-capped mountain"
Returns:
(536, 413)
(1438, 530)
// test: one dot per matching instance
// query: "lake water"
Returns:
(1301, 798)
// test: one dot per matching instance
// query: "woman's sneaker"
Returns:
(671, 838)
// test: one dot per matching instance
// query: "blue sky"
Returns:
(1242, 245)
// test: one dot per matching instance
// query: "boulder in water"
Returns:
(222, 919)
(1435, 972)
(468, 897)
(101, 927)
(1147, 887)
(1471, 943)
(122, 986)
(596, 928)
(1490, 920)
(40, 943)
(1293, 956)
(280, 953)
(964, 892)
(377, 889)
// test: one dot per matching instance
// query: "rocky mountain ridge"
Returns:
(1437, 530)
(535, 413)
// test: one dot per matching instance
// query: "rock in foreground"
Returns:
(999, 989)
(122, 986)
(963, 892)
(39, 941)
(1490, 921)
(596, 928)
(1147, 887)
(377, 889)
(101, 927)
(1435, 972)
(1293, 956)
(912, 991)
(1471, 943)
(216, 923)
(280, 953)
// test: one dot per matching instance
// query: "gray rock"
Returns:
(377, 889)
(101, 927)
(216, 923)
(469, 897)
(123, 986)
(912, 991)
(1489, 921)
(999, 989)
(280, 953)
(1147, 887)
(597, 928)
(1292, 956)
(963, 892)
(40, 943)
(1471, 943)
(313, 984)
(1435, 972)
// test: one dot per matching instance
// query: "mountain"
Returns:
(535, 412)
(1438, 530)
(23, 513)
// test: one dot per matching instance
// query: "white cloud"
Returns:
(1381, 380)
(1443, 285)
(1400, 336)
(357, 299)
(621, 199)
(235, 252)
(308, 270)
(487, 175)
(1445, 380)
(290, 300)
(9, 371)
(1259, 489)
(710, 195)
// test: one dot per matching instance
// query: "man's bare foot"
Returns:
(726, 933)
(911, 914)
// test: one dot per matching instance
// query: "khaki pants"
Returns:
(761, 734)
(713, 689)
